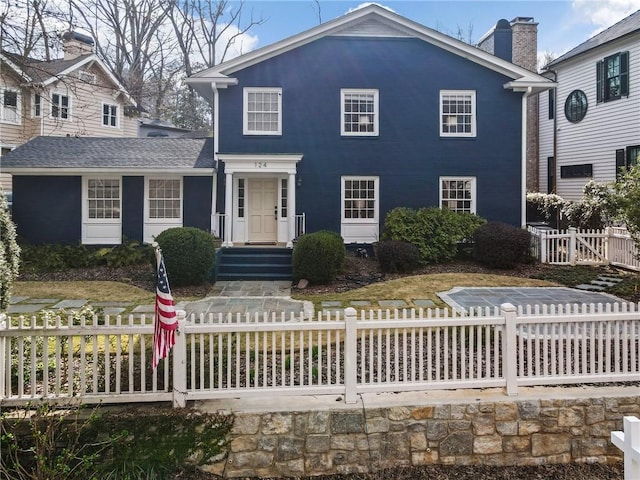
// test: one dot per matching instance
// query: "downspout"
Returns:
(555, 132)
(523, 172)
(214, 187)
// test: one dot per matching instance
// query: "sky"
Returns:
(562, 24)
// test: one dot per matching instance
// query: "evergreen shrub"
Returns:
(397, 256)
(189, 255)
(436, 232)
(318, 257)
(499, 245)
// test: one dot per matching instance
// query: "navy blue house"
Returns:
(329, 129)
(340, 124)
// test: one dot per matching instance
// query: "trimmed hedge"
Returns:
(499, 245)
(318, 257)
(436, 232)
(396, 256)
(189, 255)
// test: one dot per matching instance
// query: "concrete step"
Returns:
(590, 287)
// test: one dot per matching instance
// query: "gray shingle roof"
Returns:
(39, 70)
(624, 27)
(116, 153)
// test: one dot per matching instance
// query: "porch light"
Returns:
(298, 181)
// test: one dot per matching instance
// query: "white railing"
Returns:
(612, 245)
(240, 356)
(629, 442)
(301, 225)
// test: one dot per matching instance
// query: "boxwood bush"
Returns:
(397, 256)
(499, 245)
(436, 232)
(189, 255)
(318, 257)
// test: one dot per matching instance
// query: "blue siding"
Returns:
(133, 208)
(54, 214)
(197, 202)
(408, 155)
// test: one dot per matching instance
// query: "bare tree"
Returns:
(24, 28)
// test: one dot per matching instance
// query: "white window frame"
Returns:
(245, 110)
(16, 111)
(35, 114)
(59, 105)
(473, 207)
(147, 200)
(343, 200)
(86, 200)
(441, 119)
(376, 112)
(110, 115)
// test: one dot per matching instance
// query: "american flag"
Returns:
(166, 321)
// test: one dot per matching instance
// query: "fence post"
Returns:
(3, 357)
(509, 348)
(180, 363)
(629, 442)
(608, 233)
(543, 247)
(350, 355)
(572, 246)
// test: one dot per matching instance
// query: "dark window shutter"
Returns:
(552, 103)
(600, 83)
(620, 163)
(624, 74)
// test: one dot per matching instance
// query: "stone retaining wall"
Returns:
(358, 439)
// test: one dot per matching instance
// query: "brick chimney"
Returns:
(76, 44)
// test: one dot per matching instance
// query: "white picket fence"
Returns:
(611, 246)
(629, 442)
(108, 360)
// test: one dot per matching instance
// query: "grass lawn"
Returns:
(96, 291)
(424, 287)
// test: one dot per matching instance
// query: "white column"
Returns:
(291, 190)
(228, 210)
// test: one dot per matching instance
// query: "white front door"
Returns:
(263, 203)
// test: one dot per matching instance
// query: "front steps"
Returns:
(253, 263)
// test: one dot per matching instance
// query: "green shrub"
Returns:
(128, 253)
(436, 232)
(397, 256)
(57, 257)
(318, 257)
(189, 255)
(499, 245)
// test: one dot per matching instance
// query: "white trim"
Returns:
(117, 115)
(259, 163)
(473, 199)
(154, 226)
(360, 230)
(523, 161)
(100, 231)
(521, 76)
(474, 122)
(33, 104)
(376, 111)
(245, 110)
(17, 111)
(59, 105)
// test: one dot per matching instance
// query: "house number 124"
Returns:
(260, 164)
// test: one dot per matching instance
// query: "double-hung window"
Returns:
(109, 115)
(60, 106)
(612, 80)
(103, 199)
(457, 113)
(360, 197)
(458, 194)
(359, 112)
(165, 199)
(10, 111)
(36, 105)
(262, 111)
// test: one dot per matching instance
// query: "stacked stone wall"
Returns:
(361, 439)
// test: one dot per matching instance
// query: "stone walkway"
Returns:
(275, 298)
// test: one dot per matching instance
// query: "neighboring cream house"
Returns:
(73, 96)
(590, 125)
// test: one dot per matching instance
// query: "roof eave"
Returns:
(191, 171)
(530, 86)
